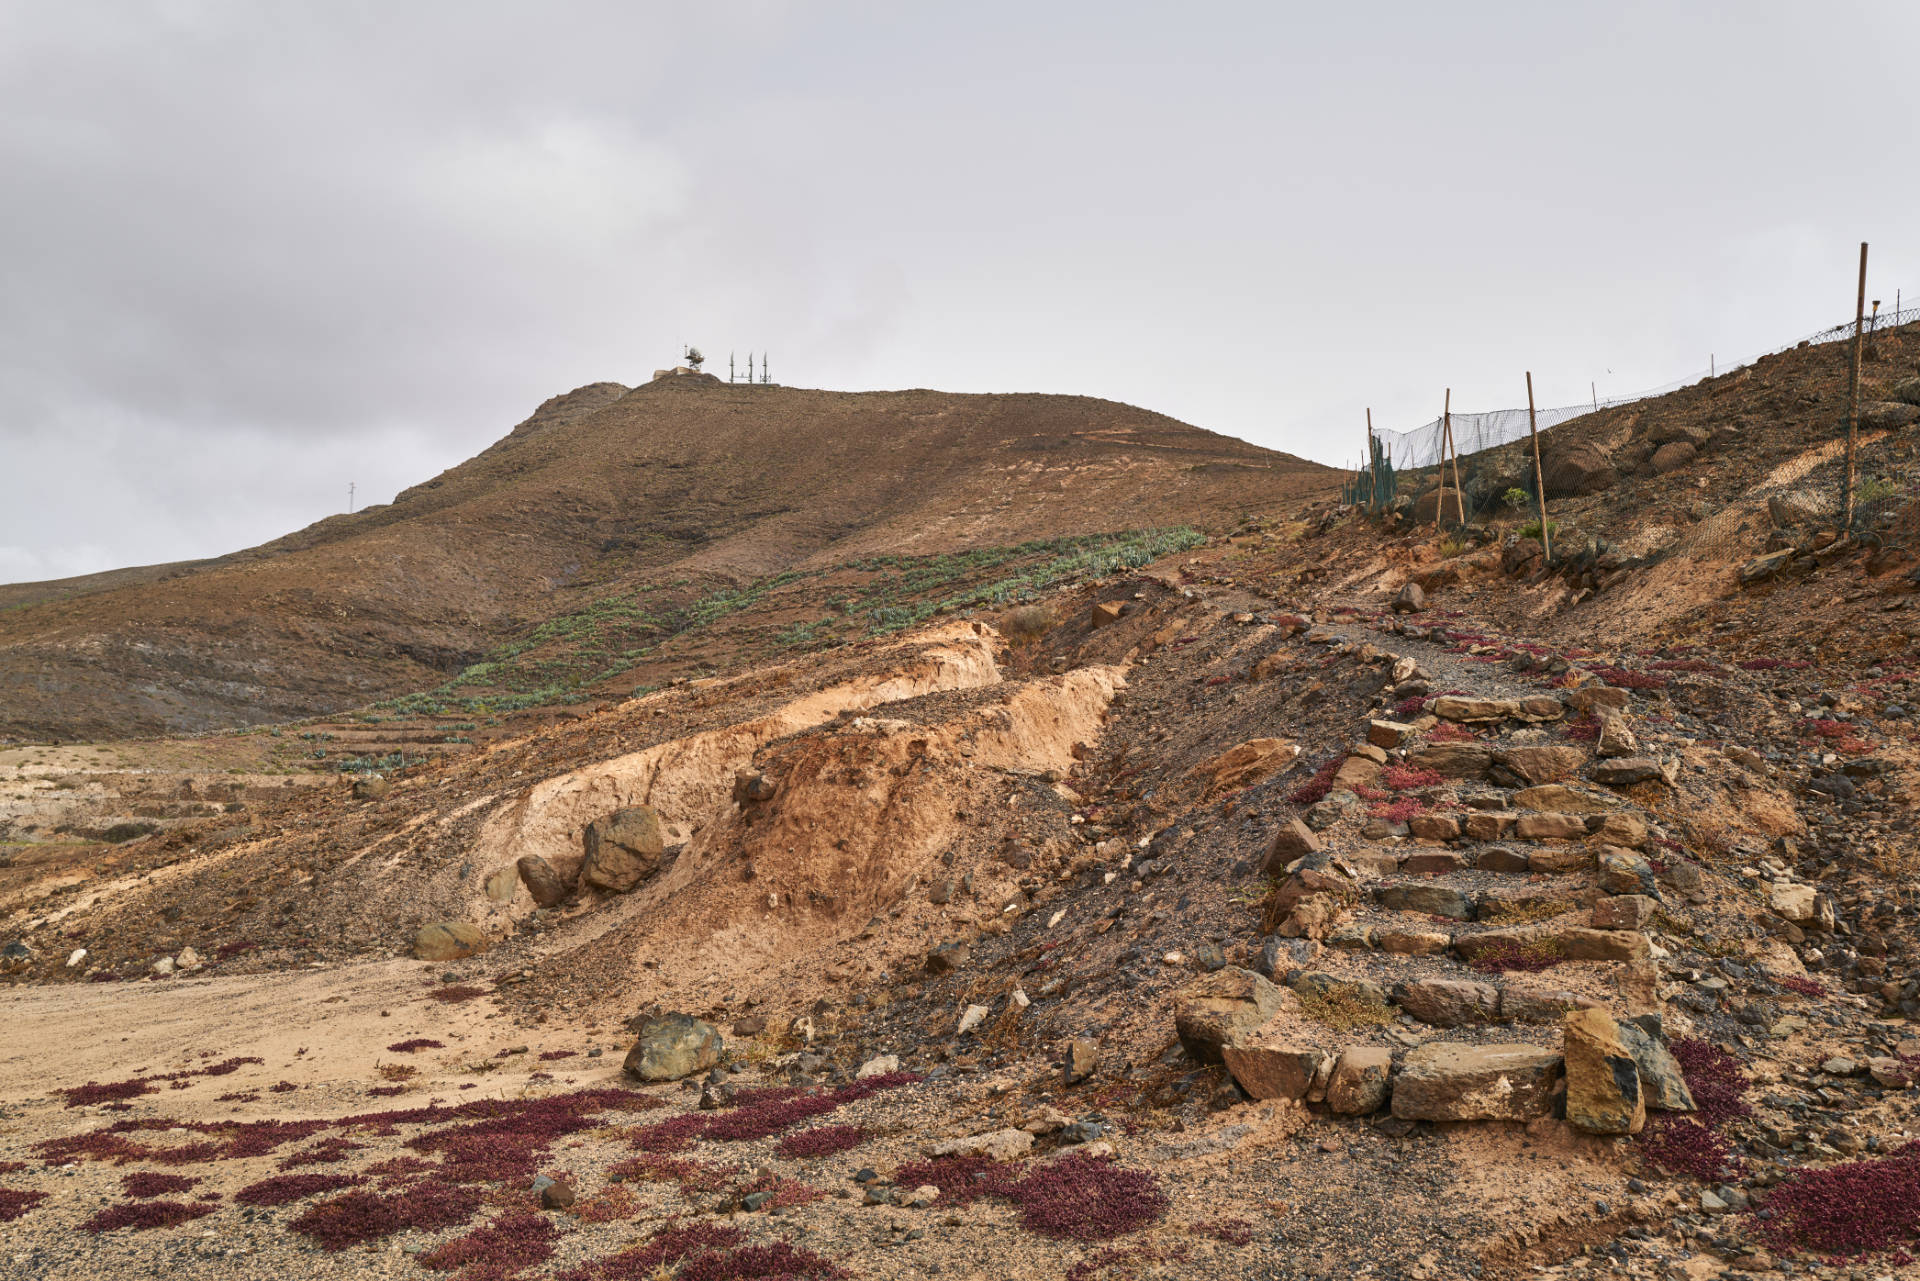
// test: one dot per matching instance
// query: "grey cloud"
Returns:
(258, 250)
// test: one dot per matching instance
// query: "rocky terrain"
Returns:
(1325, 895)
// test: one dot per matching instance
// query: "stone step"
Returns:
(1279, 1043)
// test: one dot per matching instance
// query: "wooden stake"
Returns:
(1853, 390)
(1459, 501)
(1373, 466)
(1539, 484)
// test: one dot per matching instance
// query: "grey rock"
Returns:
(543, 882)
(673, 1046)
(449, 941)
(1083, 1059)
(1661, 1080)
(15, 958)
(624, 849)
(1222, 1007)
(1624, 872)
(1434, 900)
(1449, 1081)
(1626, 771)
(1448, 1002)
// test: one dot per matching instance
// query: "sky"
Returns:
(256, 252)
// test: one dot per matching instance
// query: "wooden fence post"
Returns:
(1373, 466)
(1853, 392)
(1539, 484)
(1453, 451)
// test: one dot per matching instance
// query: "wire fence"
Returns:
(1490, 470)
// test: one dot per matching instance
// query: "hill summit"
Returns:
(681, 490)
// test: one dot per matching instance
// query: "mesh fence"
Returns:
(1492, 462)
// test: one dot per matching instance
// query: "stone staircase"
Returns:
(1457, 930)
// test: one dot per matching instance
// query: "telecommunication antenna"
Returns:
(763, 368)
(349, 498)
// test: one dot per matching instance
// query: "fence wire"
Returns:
(1495, 466)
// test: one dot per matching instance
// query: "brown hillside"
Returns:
(685, 486)
(1252, 915)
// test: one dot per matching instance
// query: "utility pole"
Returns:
(1539, 483)
(729, 366)
(1853, 390)
(1593, 389)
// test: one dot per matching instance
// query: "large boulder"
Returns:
(1315, 874)
(996, 1145)
(1273, 1071)
(1797, 507)
(449, 941)
(1532, 766)
(1428, 899)
(1449, 1081)
(1603, 1081)
(1438, 504)
(1221, 1009)
(1624, 872)
(1886, 415)
(543, 881)
(1627, 771)
(1662, 1084)
(1460, 708)
(15, 958)
(1574, 467)
(1454, 760)
(1359, 1082)
(672, 1046)
(1539, 826)
(1448, 1002)
(1291, 840)
(1761, 568)
(1247, 763)
(1598, 700)
(1566, 942)
(624, 849)
(1672, 456)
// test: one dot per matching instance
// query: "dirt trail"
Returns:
(313, 1028)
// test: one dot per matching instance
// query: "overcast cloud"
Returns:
(256, 251)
